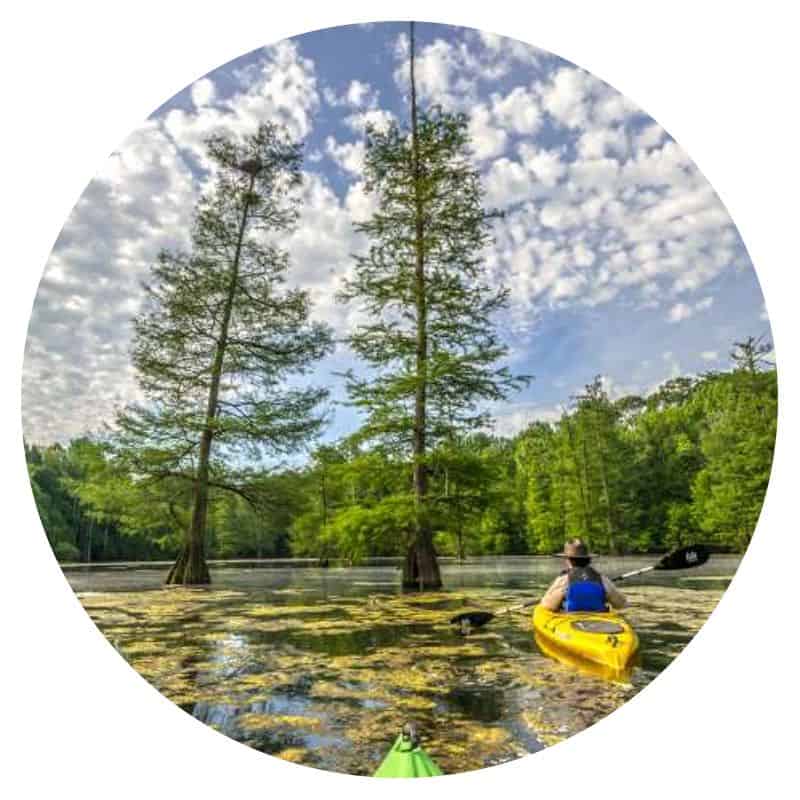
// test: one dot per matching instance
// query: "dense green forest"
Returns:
(689, 461)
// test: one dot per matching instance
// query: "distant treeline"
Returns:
(690, 461)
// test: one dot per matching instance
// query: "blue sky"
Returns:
(620, 258)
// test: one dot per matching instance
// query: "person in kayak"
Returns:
(581, 587)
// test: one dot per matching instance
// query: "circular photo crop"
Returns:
(399, 399)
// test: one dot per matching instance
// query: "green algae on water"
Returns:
(329, 679)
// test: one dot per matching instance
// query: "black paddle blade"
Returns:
(475, 619)
(685, 558)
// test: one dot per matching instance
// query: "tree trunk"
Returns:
(190, 567)
(462, 554)
(89, 541)
(324, 497)
(611, 541)
(588, 516)
(421, 569)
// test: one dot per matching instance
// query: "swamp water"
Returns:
(323, 666)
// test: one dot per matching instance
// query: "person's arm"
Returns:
(554, 596)
(614, 596)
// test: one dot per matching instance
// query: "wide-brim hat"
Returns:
(575, 548)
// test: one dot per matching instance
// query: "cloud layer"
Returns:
(603, 210)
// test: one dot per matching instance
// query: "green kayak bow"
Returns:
(407, 759)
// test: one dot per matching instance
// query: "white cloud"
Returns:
(597, 143)
(704, 304)
(491, 124)
(545, 166)
(358, 95)
(709, 355)
(507, 183)
(616, 389)
(650, 136)
(435, 66)
(583, 256)
(595, 173)
(487, 140)
(511, 418)
(349, 156)
(360, 205)
(682, 311)
(505, 52)
(566, 97)
(653, 224)
(679, 312)
(321, 247)
(377, 118)
(203, 92)
(518, 111)
(450, 72)
(77, 367)
(280, 86)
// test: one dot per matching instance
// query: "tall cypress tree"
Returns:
(430, 339)
(217, 337)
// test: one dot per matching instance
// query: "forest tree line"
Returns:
(691, 461)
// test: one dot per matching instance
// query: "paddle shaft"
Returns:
(634, 572)
(684, 558)
(520, 606)
(618, 578)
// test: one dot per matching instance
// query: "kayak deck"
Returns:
(602, 643)
(407, 759)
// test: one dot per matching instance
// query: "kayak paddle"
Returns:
(684, 558)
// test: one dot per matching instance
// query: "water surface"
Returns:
(323, 666)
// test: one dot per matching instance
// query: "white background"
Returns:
(77, 77)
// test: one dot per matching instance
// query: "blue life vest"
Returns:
(585, 590)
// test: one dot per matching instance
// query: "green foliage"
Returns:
(357, 531)
(736, 445)
(244, 531)
(690, 462)
(466, 480)
(92, 512)
(447, 310)
(66, 551)
(542, 460)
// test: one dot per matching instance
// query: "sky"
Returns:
(620, 258)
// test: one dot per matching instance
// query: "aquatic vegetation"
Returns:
(328, 680)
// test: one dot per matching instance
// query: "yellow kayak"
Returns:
(601, 643)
